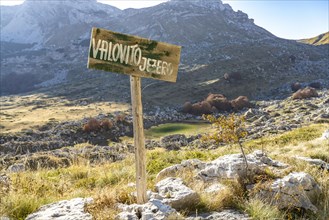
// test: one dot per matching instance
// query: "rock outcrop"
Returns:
(174, 193)
(154, 209)
(64, 210)
(296, 190)
(233, 166)
(223, 215)
(186, 165)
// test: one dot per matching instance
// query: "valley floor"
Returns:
(60, 160)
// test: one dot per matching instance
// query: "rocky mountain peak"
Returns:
(43, 21)
(206, 4)
(59, 1)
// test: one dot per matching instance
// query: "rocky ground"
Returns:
(285, 190)
(189, 183)
(51, 145)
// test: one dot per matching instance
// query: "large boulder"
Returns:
(176, 194)
(64, 210)
(296, 190)
(305, 93)
(240, 103)
(233, 166)
(219, 101)
(154, 209)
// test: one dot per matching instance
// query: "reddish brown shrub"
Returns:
(211, 97)
(295, 86)
(219, 101)
(240, 103)
(106, 124)
(308, 92)
(201, 108)
(187, 107)
(92, 125)
(120, 118)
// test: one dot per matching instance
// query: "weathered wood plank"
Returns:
(139, 139)
(132, 55)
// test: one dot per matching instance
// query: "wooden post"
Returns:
(151, 59)
(139, 140)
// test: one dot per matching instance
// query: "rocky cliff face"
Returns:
(54, 22)
(45, 43)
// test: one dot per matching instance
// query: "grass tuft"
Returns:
(259, 210)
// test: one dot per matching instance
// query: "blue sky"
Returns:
(290, 19)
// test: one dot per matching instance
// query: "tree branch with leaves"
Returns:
(229, 129)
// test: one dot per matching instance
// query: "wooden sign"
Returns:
(137, 57)
(127, 54)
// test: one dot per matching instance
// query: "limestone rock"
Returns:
(154, 209)
(233, 166)
(176, 194)
(173, 142)
(64, 210)
(15, 168)
(192, 164)
(224, 215)
(316, 162)
(214, 188)
(250, 114)
(294, 190)
(325, 135)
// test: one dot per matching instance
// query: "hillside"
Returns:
(66, 132)
(215, 40)
(322, 39)
(35, 170)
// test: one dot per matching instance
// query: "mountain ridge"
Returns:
(321, 39)
(215, 40)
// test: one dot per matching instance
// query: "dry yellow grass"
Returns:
(108, 183)
(26, 112)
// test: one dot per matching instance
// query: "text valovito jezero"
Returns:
(131, 55)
